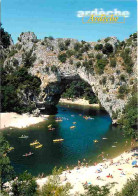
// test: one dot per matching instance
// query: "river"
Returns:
(78, 142)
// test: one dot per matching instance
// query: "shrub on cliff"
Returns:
(130, 188)
(113, 62)
(98, 47)
(95, 190)
(128, 63)
(123, 90)
(100, 65)
(62, 57)
(107, 49)
(5, 37)
(128, 121)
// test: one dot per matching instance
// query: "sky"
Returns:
(58, 18)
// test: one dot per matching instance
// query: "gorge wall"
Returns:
(56, 62)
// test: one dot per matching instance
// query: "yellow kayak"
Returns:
(74, 122)
(58, 140)
(39, 146)
(34, 143)
(72, 127)
(49, 126)
(10, 149)
(95, 141)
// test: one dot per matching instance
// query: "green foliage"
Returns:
(112, 79)
(107, 39)
(54, 69)
(122, 77)
(100, 65)
(4, 37)
(62, 57)
(24, 185)
(128, 63)
(53, 186)
(95, 190)
(28, 59)
(50, 38)
(113, 62)
(77, 46)
(128, 121)
(99, 56)
(62, 46)
(80, 89)
(6, 170)
(69, 53)
(78, 64)
(107, 49)
(103, 81)
(130, 188)
(123, 90)
(90, 55)
(12, 53)
(67, 42)
(12, 83)
(98, 47)
(71, 61)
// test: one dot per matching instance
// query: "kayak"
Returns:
(24, 137)
(39, 146)
(72, 127)
(74, 122)
(10, 149)
(27, 155)
(95, 141)
(58, 140)
(49, 126)
(34, 143)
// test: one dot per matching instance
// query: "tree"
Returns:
(62, 57)
(53, 186)
(5, 37)
(6, 170)
(24, 185)
(96, 190)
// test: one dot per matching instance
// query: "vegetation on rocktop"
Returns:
(14, 83)
(4, 37)
(80, 89)
(128, 121)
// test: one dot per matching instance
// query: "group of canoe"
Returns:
(36, 144)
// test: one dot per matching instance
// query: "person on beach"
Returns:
(86, 164)
(79, 163)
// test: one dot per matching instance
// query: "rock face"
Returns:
(55, 75)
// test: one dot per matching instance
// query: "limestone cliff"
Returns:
(58, 61)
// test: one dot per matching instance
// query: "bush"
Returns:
(12, 53)
(99, 56)
(98, 47)
(78, 64)
(122, 78)
(113, 62)
(5, 38)
(54, 69)
(107, 49)
(130, 188)
(77, 46)
(90, 55)
(70, 53)
(50, 38)
(25, 185)
(128, 121)
(28, 59)
(103, 81)
(100, 65)
(67, 42)
(112, 79)
(71, 61)
(128, 63)
(123, 90)
(95, 190)
(62, 57)
(62, 46)
(107, 39)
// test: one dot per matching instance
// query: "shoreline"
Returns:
(119, 167)
(79, 102)
(12, 119)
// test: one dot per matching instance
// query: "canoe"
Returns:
(24, 137)
(34, 143)
(74, 122)
(39, 146)
(72, 127)
(58, 140)
(27, 155)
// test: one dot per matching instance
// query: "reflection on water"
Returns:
(77, 145)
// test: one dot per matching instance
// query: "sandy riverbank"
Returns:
(121, 169)
(78, 102)
(12, 119)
